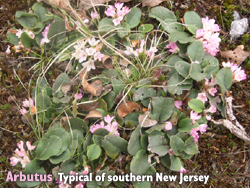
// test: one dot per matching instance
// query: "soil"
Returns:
(224, 157)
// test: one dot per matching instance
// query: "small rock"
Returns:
(238, 26)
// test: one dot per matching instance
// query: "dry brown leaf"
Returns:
(94, 114)
(11, 98)
(95, 88)
(89, 106)
(151, 3)
(146, 121)
(63, 4)
(107, 62)
(126, 108)
(238, 55)
(66, 88)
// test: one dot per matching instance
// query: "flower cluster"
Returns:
(238, 73)
(28, 104)
(21, 155)
(45, 35)
(209, 36)
(82, 52)
(136, 52)
(110, 126)
(117, 12)
(172, 47)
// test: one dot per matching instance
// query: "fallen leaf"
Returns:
(66, 88)
(146, 121)
(107, 62)
(126, 108)
(94, 114)
(151, 3)
(89, 106)
(11, 98)
(238, 55)
(86, 4)
(124, 63)
(95, 88)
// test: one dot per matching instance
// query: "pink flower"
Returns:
(208, 117)
(28, 103)
(208, 36)
(238, 73)
(110, 11)
(90, 51)
(25, 161)
(45, 35)
(19, 33)
(78, 96)
(79, 185)
(14, 161)
(80, 55)
(171, 152)
(89, 65)
(72, 173)
(119, 6)
(62, 185)
(23, 111)
(151, 52)
(117, 20)
(183, 170)
(194, 134)
(94, 15)
(172, 47)
(20, 145)
(194, 116)
(8, 50)
(212, 109)
(178, 104)
(93, 42)
(203, 128)
(202, 97)
(108, 119)
(168, 126)
(86, 170)
(98, 56)
(20, 153)
(29, 146)
(212, 91)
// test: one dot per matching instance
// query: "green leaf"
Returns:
(27, 41)
(113, 145)
(123, 30)
(182, 67)
(182, 37)
(176, 144)
(31, 168)
(191, 147)
(44, 101)
(224, 79)
(64, 135)
(171, 27)
(171, 63)
(41, 12)
(143, 93)
(117, 85)
(107, 173)
(106, 25)
(77, 123)
(196, 72)
(192, 18)
(27, 20)
(142, 184)
(60, 158)
(177, 84)
(67, 166)
(162, 108)
(196, 104)
(158, 143)
(133, 18)
(48, 147)
(175, 163)
(13, 38)
(57, 33)
(134, 141)
(59, 82)
(136, 36)
(131, 120)
(139, 164)
(185, 125)
(110, 99)
(145, 28)
(162, 14)
(93, 152)
(196, 51)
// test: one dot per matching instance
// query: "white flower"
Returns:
(93, 42)
(99, 56)
(90, 51)
(89, 65)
